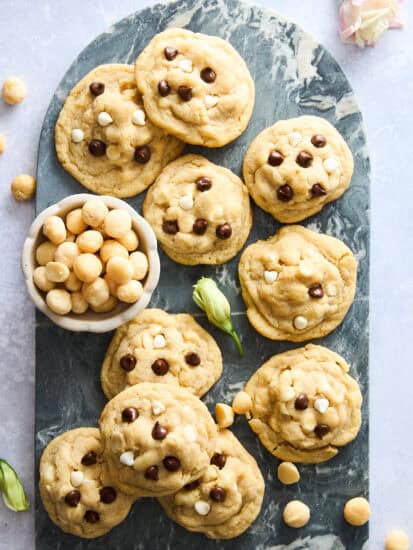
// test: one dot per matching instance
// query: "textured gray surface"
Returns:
(293, 75)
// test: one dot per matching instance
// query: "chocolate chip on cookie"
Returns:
(208, 75)
(97, 147)
(170, 226)
(160, 367)
(219, 460)
(170, 53)
(203, 183)
(192, 359)
(97, 88)
(185, 93)
(163, 88)
(316, 291)
(171, 463)
(304, 159)
(130, 414)
(91, 516)
(321, 430)
(224, 231)
(159, 431)
(89, 459)
(318, 140)
(72, 498)
(285, 193)
(152, 472)
(218, 494)
(127, 362)
(142, 154)
(200, 226)
(108, 495)
(317, 190)
(193, 485)
(275, 158)
(301, 402)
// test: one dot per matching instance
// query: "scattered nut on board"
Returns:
(23, 187)
(2, 144)
(296, 514)
(288, 473)
(397, 540)
(224, 415)
(242, 403)
(357, 511)
(14, 90)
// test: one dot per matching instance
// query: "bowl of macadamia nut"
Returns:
(90, 263)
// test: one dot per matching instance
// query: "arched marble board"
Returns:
(294, 75)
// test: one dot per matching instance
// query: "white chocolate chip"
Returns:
(157, 407)
(159, 341)
(331, 289)
(321, 405)
(330, 165)
(76, 478)
(139, 117)
(202, 508)
(104, 119)
(270, 276)
(190, 433)
(77, 135)
(210, 101)
(186, 202)
(300, 322)
(185, 65)
(305, 269)
(127, 458)
(294, 138)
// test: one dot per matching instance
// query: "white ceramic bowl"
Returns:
(91, 321)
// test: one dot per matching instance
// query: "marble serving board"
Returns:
(294, 75)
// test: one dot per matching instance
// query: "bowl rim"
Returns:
(98, 325)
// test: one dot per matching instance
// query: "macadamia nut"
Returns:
(79, 304)
(96, 293)
(14, 90)
(288, 473)
(72, 283)
(112, 248)
(57, 272)
(94, 212)
(40, 279)
(357, 511)
(59, 301)
(130, 241)
(89, 241)
(23, 187)
(296, 514)
(242, 403)
(119, 270)
(117, 223)
(397, 540)
(66, 253)
(45, 253)
(140, 265)
(129, 292)
(224, 415)
(75, 222)
(107, 306)
(54, 229)
(87, 267)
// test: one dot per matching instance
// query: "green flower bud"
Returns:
(12, 489)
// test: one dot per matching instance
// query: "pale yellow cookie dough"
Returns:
(14, 90)
(200, 211)
(296, 166)
(189, 356)
(298, 284)
(357, 511)
(397, 540)
(204, 94)
(288, 473)
(23, 187)
(305, 404)
(129, 151)
(75, 487)
(226, 499)
(296, 514)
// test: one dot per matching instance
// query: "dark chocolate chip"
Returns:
(275, 158)
(304, 159)
(301, 402)
(163, 88)
(218, 494)
(127, 362)
(107, 495)
(91, 516)
(72, 498)
(142, 154)
(97, 88)
(321, 430)
(170, 226)
(159, 432)
(171, 463)
(224, 231)
(170, 53)
(130, 414)
(219, 460)
(285, 193)
(192, 359)
(203, 183)
(152, 473)
(318, 190)
(160, 367)
(200, 226)
(89, 458)
(97, 147)
(185, 93)
(208, 75)
(316, 291)
(193, 485)
(319, 141)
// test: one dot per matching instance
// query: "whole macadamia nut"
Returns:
(117, 223)
(94, 212)
(96, 293)
(357, 511)
(119, 270)
(130, 241)
(111, 284)
(57, 272)
(54, 229)
(23, 187)
(59, 301)
(74, 221)
(45, 253)
(40, 279)
(242, 403)
(112, 248)
(72, 283)
(397, 540)
(140, 265)
(288, 473)
(89, 241)
(107, 306)
(14, 90)
(296, 514)
(87, 267)
(66, 253)
(130, 292)
(79, 304)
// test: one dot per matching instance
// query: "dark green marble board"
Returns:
(293, 75)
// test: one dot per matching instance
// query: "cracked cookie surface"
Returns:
(104, 138)
(296, 166)
(304, 404)
(196, 87)
(298, 284)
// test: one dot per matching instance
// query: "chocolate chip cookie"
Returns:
(298, 284)
(226, 499)
(200, 212)
(104, 138)
(160, 347)
(296, 166)
(76, 488)
(196, 87)
(157, 438)
(304, 404)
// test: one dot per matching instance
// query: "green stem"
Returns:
(237, 341)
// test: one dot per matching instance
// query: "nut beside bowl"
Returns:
(91, 321)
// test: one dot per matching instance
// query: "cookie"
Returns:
(304, 404)
(104, 139)
(75, 487)
(226, 499)
(298, 284)
(200, 212)
(196, 87)
(160, 347)
(296, 166)
(157, 438)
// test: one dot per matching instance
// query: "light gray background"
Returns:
(38, 41)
